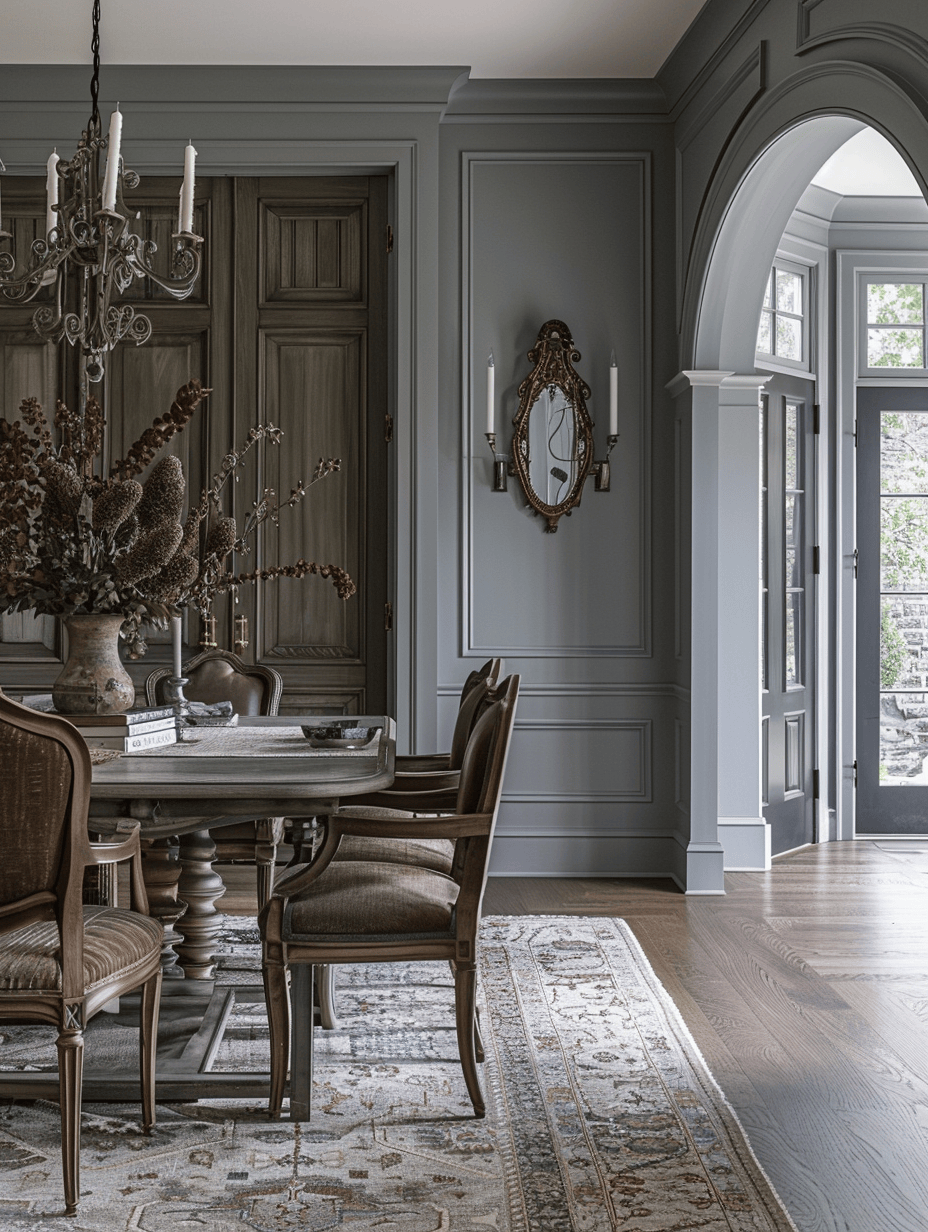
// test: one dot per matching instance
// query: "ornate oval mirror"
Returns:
(552, 445)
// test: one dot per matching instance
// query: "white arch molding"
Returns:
(720, 396)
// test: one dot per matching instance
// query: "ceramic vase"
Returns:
(93, 680)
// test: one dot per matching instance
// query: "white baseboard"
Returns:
(746, 843)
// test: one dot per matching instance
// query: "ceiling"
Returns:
(868, 166)
(495, 38)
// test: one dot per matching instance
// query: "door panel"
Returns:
(288, 324)
(892, 611)
(788, 596)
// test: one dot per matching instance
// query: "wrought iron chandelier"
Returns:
(89, 253)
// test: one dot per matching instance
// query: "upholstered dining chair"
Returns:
(350, 911)
(217, 676)
(61, 962)
(422, 784)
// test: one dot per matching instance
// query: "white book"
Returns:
(134, 744)
(116, 731)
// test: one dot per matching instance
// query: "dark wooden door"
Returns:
(788, 644)
(892, 611)
(288, 324)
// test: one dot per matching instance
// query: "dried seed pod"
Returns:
(150, 553)
(63, 487)
(163, 494)
(180, 571)
(115, 504)
(221, 537)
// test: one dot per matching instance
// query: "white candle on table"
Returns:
(491, 372)
(111, 178)
(175, 637)
(185, 217)
(613, 397)
(51, 193)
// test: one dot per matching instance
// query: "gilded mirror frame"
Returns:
(553, 356)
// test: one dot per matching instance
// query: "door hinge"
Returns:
(388, 617)
(816, 559)
(854, 771)
(815, 784)
(389, 239)
(856, 561)
(855, 433)
(388, 428)
(816, 418)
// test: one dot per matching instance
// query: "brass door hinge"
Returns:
(388, 428)
(816, 559)
(816, 418)
(388, 617)
(389, 239)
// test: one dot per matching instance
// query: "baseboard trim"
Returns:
(746, 843)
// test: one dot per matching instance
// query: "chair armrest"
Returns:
(129, 848)
(375, 823)
(429, 763)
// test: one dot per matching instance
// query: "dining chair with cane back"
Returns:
(358, 911)
(61, 961)
(217, 676)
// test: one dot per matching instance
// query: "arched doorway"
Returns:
(727, 822)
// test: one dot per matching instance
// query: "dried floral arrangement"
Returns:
(74, 542)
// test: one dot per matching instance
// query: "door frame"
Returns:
(851, 265)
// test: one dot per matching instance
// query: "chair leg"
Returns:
(70, 1045)
(278, 1018)
(465, 991)
(325, 991)
(479, 1050)
(301, 1041)
(148, 1046)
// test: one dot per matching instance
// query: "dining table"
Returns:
(177, 794)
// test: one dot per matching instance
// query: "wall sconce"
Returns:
(552, 440)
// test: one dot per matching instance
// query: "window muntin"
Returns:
(894, 338)
(783, 333)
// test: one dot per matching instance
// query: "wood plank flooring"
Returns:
(806, 989)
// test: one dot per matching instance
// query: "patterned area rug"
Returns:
(602, 1115)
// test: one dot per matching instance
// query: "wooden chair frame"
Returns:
(70, 1007)
(472, 833)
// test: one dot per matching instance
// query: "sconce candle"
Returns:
(175, 640)
(111, 178)
(613, 397)
(491, 374)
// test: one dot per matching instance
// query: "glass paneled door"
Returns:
(788, 608)
(892, 611)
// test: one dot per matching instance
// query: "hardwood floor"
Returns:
(806, 989)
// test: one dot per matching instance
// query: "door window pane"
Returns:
(791, 477)
(793, 638)
(904, 543)
(903, 452)
(903, 739)
(789, 338)
(765, 333)
(782, 330)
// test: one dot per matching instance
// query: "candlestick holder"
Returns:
(501, 466)
(602, 471)
(174, 696)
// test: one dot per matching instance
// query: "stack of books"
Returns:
(148, 728)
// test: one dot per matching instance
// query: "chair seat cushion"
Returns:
(436, 854)
(365, 898)
(115, 941)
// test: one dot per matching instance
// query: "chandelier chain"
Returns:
(95, 79)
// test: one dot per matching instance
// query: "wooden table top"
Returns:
(246, 786)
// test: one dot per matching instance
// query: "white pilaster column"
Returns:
(725, 693)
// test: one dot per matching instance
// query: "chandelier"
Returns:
(89, 254)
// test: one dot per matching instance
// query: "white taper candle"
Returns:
(613, 397)
(185, 218)
(175, 638)
(491, 395)
(111, 177)
(51, 193)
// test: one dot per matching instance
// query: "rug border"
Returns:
(684, 1034)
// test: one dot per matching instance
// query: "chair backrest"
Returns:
(221, 676)
(43, 818)
(479, 791)
(475, 697)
